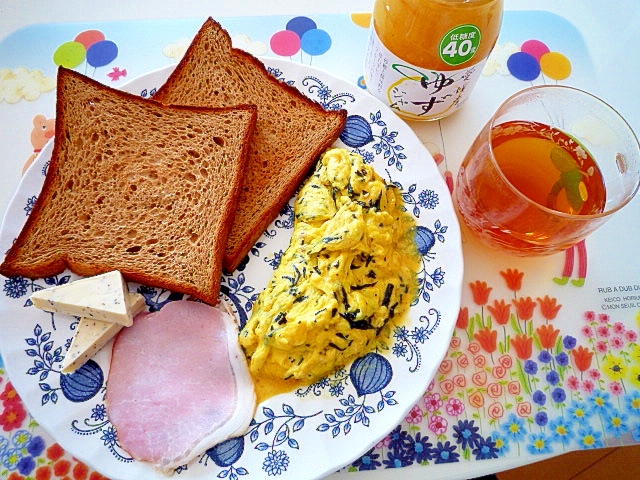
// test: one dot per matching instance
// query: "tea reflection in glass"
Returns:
(548, 168)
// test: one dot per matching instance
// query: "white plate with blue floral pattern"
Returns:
(305, 434)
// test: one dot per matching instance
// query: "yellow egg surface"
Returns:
(347, 277)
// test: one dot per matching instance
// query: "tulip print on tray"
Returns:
(512, 381)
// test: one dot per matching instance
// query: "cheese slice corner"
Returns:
(91, 335)
(101, 297)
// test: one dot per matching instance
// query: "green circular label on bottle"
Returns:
(459, 44)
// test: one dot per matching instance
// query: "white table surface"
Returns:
(611, 32)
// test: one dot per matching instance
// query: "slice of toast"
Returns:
(135, 186)
(290, 133)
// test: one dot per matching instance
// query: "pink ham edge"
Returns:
(178, 384)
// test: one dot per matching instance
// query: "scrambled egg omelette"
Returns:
(349, 272)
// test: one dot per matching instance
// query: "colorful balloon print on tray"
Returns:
(535, 58)
(92, 48)
(301, 34)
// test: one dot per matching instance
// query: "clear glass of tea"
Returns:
(550, 166)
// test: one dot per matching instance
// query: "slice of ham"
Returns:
(178, 384)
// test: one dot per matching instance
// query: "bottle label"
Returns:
(420, 93)
(460, 44)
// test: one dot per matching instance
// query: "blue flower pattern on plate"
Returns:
(98, 423)
(358, 133)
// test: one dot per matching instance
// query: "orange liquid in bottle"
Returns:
(425, 56)
(413, 29)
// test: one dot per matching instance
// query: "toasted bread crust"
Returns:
(291, 131)
(136, 186)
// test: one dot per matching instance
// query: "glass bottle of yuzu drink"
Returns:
(424, 56)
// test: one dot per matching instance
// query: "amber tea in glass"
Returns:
(548, 168)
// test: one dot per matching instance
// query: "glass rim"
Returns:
(530, 90)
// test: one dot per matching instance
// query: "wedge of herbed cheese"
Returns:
(102, 297)
(91, 335)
